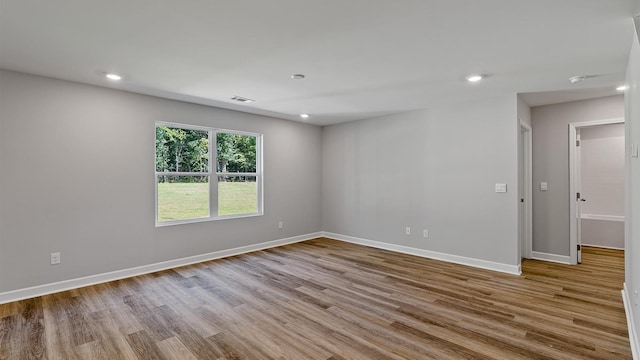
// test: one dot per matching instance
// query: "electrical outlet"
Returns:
(425, 233)
(407, 230)
(55, 258)
(280, 224)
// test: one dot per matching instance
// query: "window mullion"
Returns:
(259, 174)
(237, 174)
(181, 173)
(213, 179)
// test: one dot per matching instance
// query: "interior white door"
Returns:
(521, 232)
(579, 197)
(576, 198)
(524, 184)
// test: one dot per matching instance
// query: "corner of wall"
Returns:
(632, 196)
(524, 111)
(634, 341)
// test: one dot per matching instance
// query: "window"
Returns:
(189, 188)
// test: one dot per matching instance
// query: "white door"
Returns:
(579, 197)
(524, 184)
(576, 198)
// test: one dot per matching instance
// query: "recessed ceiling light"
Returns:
(304, 116)
(298, 76)
(622, 88)
(475, 77)
(112, 76)
(242, 99)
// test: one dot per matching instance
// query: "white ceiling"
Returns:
(362, 58)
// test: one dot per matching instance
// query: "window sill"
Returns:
(199, 220)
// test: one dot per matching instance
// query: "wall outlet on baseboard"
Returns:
(280, 224)
(407, 230)
(55, 258)
(425, 233)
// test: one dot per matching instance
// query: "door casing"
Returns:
(526, 193)
(574, 182)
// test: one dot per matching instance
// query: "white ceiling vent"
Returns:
(242, 99)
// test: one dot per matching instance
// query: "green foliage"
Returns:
(186, 150)
(236, 153)
(183, 200)
(181, 150)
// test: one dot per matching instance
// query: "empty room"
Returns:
(319, 179)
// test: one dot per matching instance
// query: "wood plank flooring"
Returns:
(325, 299)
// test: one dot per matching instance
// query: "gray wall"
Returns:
(602, 169)
(432, 169)
(602, 173)
(551, 164)
(603, 233)
(632, 205)
(77, 177)
(524, 112)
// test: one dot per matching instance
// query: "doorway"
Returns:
(525, 209)
(596, 184)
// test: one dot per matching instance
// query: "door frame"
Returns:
(574, 181)
(526, 232)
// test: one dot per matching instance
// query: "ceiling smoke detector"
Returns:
(578, 78)
(242, 99)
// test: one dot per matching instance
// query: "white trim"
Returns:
(633, 332)
(478, 263)
(602, 247)
(527, 148)
(562, 259)
(603, 217)
(573, 231)
(573, 225)
(582, 124)
(39, 290)
(205, 219)
(182, 126)
(182, 173)
(245, 174)
(30, 292)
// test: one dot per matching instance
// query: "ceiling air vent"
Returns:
(242, 99)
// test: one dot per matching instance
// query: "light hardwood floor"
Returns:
(325, 299)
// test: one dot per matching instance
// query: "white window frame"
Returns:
(213, 174)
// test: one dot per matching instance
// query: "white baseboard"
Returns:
(633, 333)
(483, 264)
(31, 292)
(602, 247)
(562, 259)
(602, 217)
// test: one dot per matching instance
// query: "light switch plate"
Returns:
(543, 186)
(501, 188)
(55, 258)
(634, 150)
